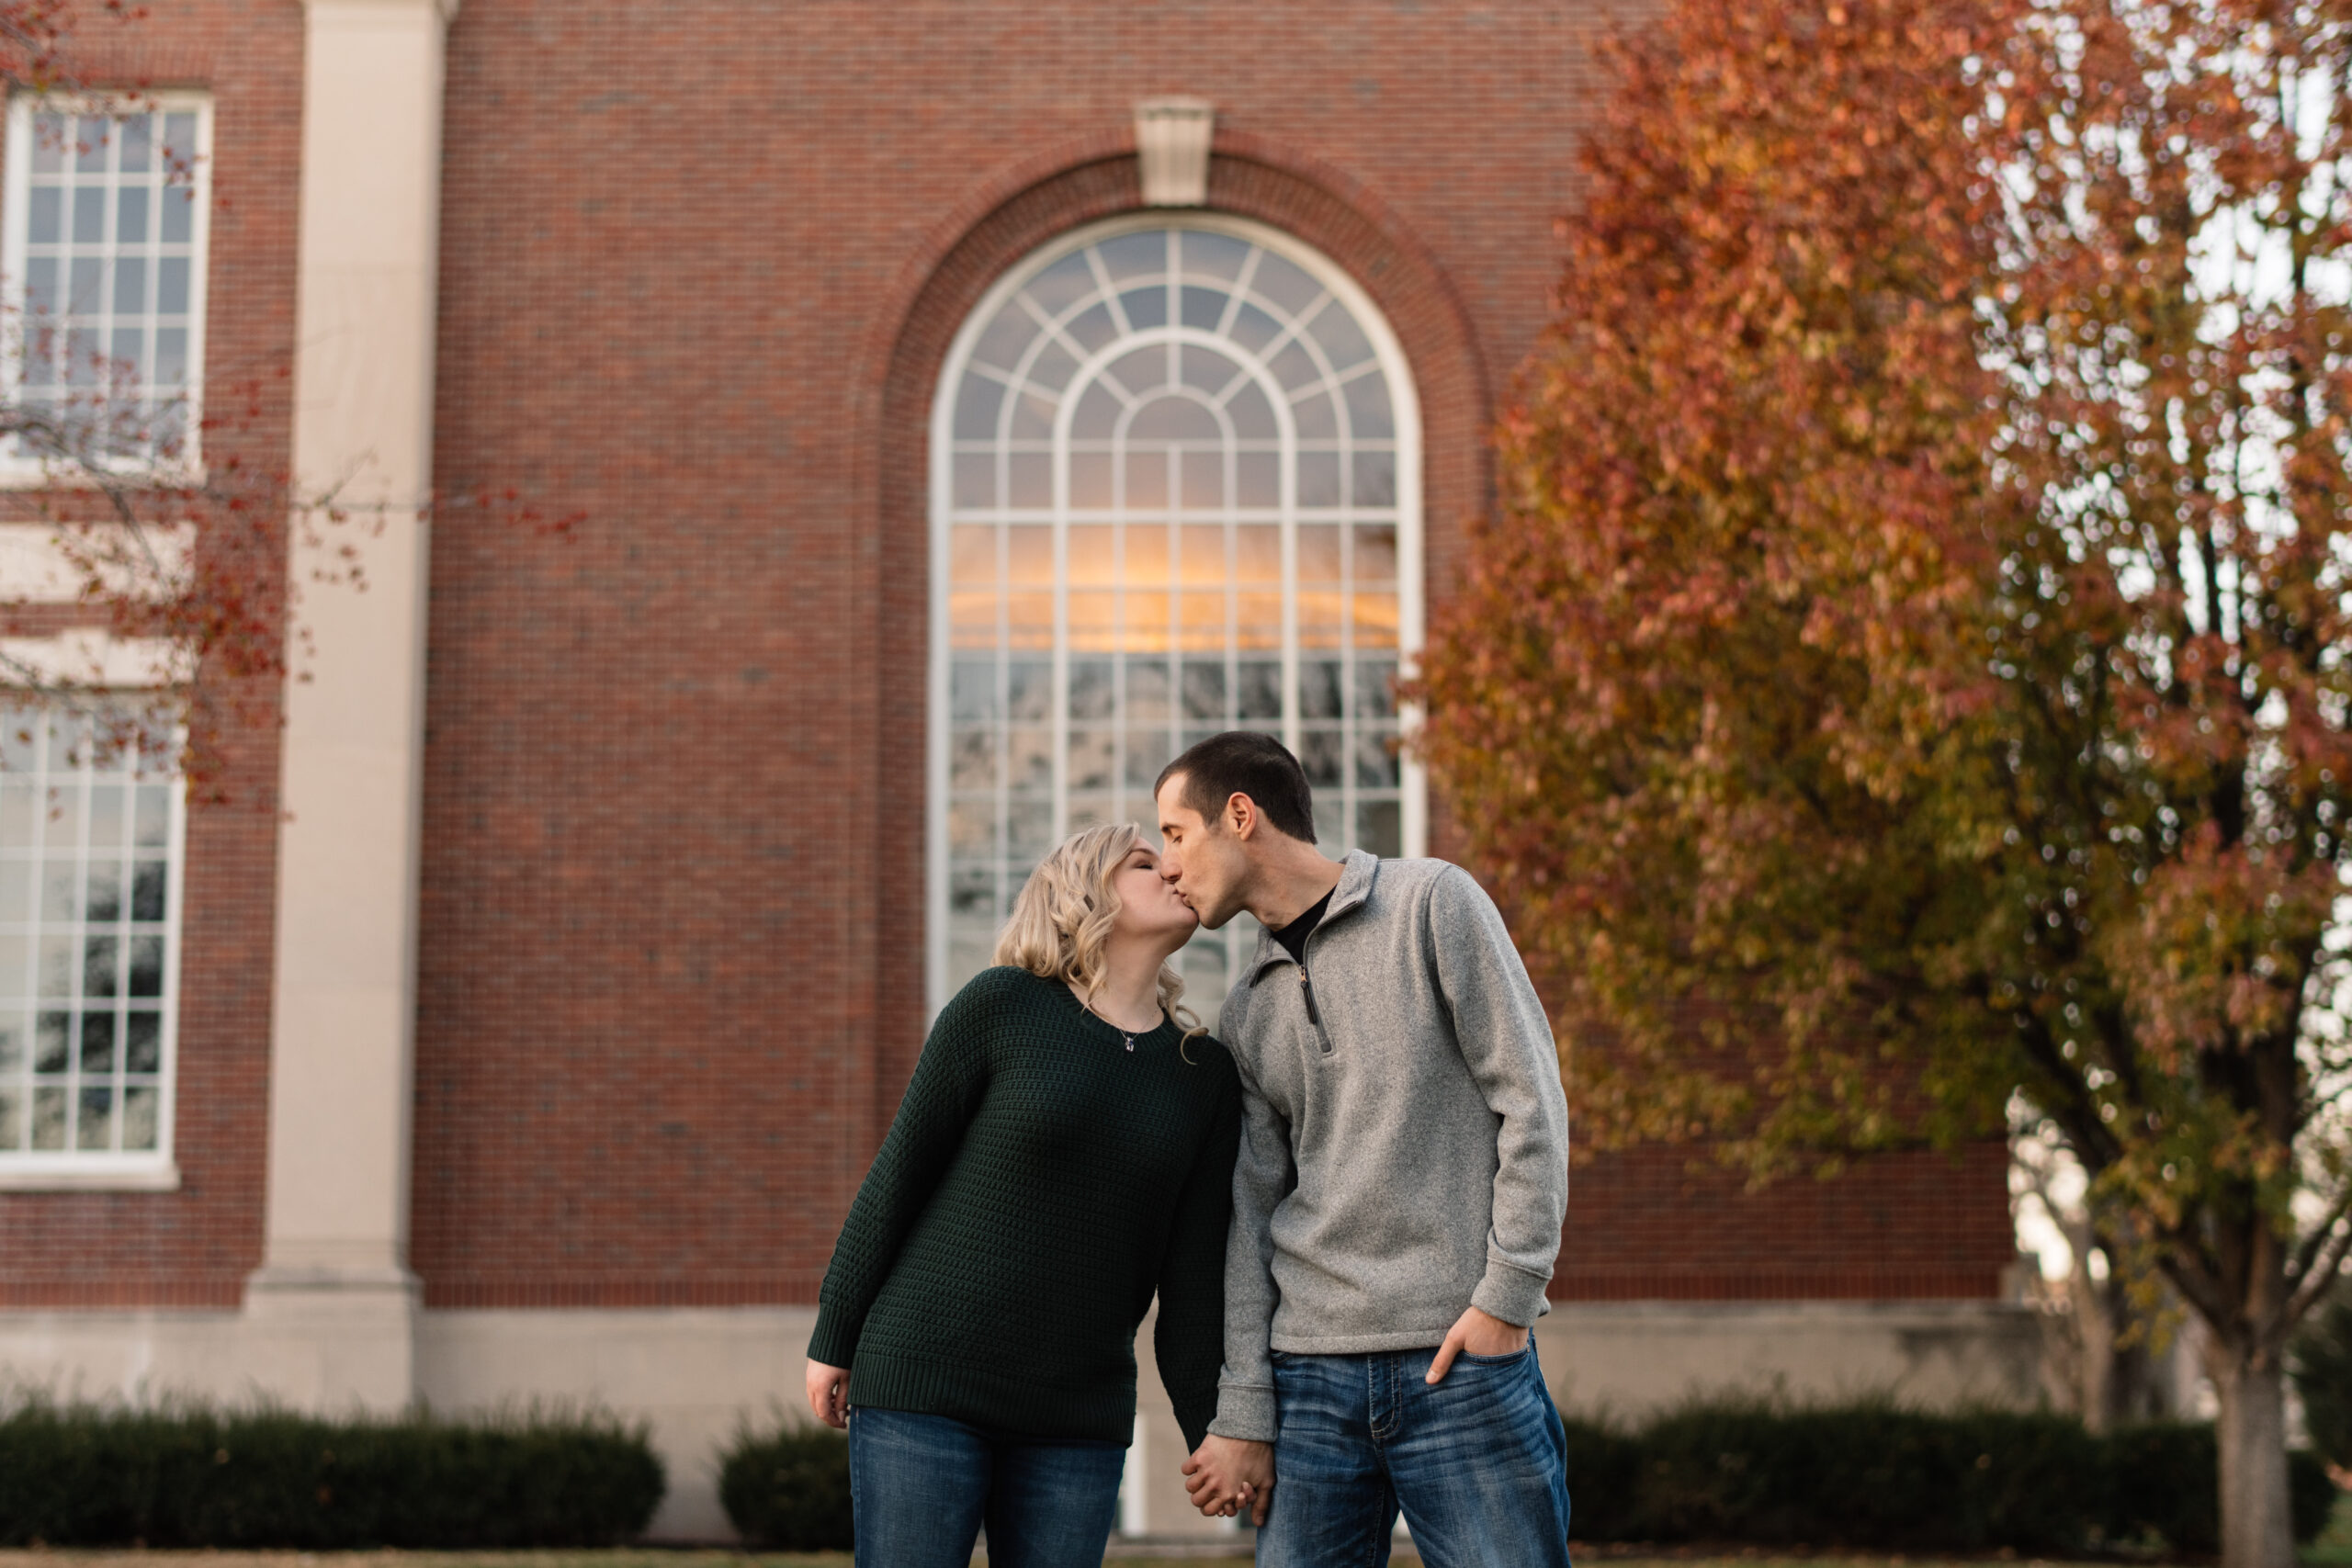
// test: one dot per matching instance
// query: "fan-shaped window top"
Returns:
(1175, 485)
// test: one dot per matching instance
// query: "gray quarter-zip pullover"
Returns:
(1404, 1141)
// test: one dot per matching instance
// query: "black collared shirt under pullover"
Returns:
(1040, 1183)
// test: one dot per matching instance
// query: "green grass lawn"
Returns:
(2332, 1548)
(1614, 1558)
(694, 1559)
(2335, 1547)
(620, 1558)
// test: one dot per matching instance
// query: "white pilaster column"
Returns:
(334, 1287)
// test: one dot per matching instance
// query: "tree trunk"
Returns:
(2119, 1377)
(2256, 1529)
(2135, 1383)
(2094, 1330)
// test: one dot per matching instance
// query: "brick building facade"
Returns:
(538, 1044)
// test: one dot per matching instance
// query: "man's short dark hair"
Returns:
(1244, 761)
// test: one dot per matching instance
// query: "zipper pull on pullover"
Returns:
(1313, 1016)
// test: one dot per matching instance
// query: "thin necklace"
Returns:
(1125, 1035)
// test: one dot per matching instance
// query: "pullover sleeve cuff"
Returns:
(1246, 1412)
(1510, 1293)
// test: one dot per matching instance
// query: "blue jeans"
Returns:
(1479, 1463)
(922, 1487)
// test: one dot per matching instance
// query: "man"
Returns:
(1399, 1199)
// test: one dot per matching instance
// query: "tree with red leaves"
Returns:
(1907, 673)
(123, 501)
(161, 533)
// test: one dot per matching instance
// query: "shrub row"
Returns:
(789, 1488)
(78, 1475)
(1881, 1476)
(1863, 1476)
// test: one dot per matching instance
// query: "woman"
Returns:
(1064, 1151)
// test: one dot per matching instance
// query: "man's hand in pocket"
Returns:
(1479, 1334)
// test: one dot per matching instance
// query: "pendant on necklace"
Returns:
(1111, 1027)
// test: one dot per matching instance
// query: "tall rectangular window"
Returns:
(91, 829)
(102, 259)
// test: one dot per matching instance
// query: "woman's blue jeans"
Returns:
(1479, 1463)
(924, 1485)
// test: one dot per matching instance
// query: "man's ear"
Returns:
(1241, 814)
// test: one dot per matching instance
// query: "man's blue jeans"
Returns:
(922, 1487)
(1477, 1463)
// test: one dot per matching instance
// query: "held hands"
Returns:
(1481, 1334)
(1228, 1475)
(829, 1394)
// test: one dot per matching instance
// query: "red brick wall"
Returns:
(698, 274)
(1666, 1225)
(194, 1246)
(697, 281)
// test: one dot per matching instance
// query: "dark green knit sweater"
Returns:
(1039, 1184)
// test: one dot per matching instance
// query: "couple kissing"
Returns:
(1347, 1202)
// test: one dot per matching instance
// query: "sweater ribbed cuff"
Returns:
(1510, 1293)
(1245, 1411)
(1196, 1408)
(835, 1343)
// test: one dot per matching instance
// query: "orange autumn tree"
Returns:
(1907, 671)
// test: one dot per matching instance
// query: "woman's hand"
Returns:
(829, 1394)
(1226, 1475)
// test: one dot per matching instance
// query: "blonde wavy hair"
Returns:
(1061, 923)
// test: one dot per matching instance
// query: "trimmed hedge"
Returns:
(789, 1488)
(2321, 1361)
(1869, 1475)
(78, 1475)
(2162, 1483)
(1881, 1476)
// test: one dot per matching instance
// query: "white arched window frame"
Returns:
(1052, 697)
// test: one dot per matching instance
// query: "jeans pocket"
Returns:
(1507, 1358)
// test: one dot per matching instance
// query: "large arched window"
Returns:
(1175, 487)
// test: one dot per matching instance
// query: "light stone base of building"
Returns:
(1622, 1359)
(693, 1375)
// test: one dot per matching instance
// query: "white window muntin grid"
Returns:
(1285, 514)
(1326, 378)
(1069, 401)
(61, 789)
(158, 406)
(1386, 355)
